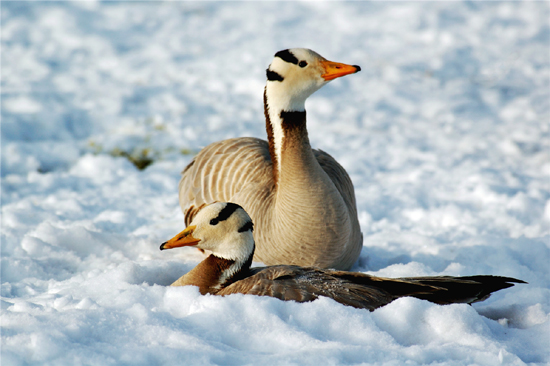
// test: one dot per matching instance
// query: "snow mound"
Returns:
(445, 134)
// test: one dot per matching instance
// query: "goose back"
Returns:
(240, 170)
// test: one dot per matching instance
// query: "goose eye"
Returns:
(214, 222)
(302, 64)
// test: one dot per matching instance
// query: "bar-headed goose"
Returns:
(225, 229)
(301, 200)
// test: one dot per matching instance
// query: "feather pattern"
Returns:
(293, 193)
(360, 290)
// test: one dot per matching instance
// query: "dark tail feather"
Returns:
(468, 289)
(370, 292)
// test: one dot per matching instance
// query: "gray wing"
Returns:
(344, 185)
(361, 290)
(222, 171)
(240, 170)
(306, 284)
(339, 177)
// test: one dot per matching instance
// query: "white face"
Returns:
(220, 234)
(300, 79)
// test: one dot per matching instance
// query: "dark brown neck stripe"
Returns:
(293, 120)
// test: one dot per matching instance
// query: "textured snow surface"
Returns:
(445, 134)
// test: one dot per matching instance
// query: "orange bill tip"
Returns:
(335, 70)
(183, 239)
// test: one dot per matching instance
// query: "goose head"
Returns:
(296, 73)
(224, 228)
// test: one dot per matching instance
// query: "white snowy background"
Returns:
(445, 134)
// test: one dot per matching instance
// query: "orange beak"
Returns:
(183, 239)
(334, 70)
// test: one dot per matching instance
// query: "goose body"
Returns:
(226, 230)
(293, 193)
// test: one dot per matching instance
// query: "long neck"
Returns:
(293, 159)
(305, 195)
(285, 125)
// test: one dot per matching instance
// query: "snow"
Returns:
(445, 134)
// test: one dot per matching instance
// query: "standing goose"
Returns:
(225, 229)
(294, 194)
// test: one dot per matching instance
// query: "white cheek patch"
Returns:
(237, 246)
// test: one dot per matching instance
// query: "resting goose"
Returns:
(225, 229)
(294, 194)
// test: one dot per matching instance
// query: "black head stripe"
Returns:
(287, 56)
(247, 226)
(273, 76)
(227, 211)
